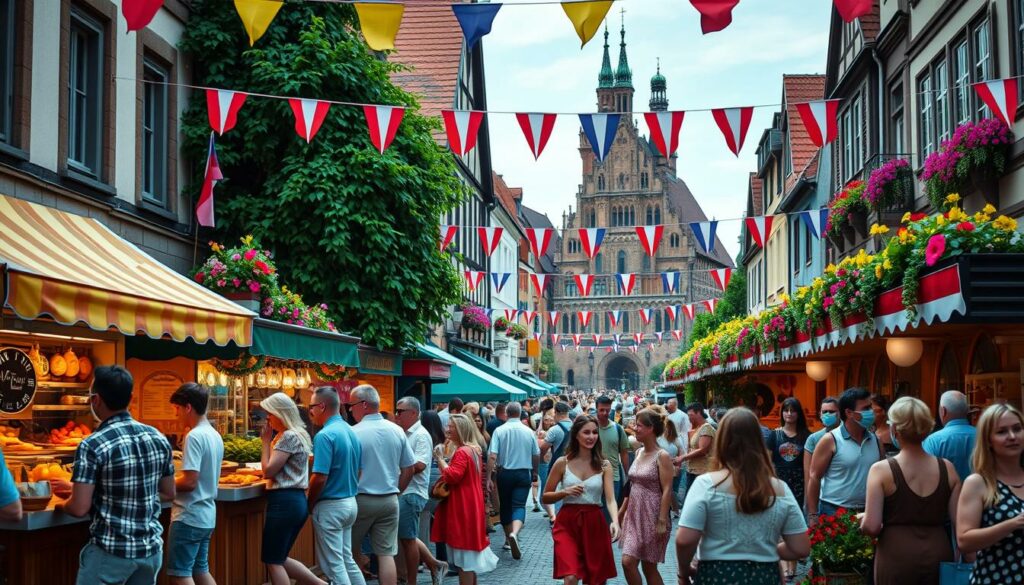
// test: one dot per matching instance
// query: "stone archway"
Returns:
(621, 371)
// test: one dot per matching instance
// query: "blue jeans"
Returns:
(188, 550)
(96, 565)
(542, 473)
(513, 491)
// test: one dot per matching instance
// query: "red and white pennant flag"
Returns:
(552, 318)
(638, 338)
(849, 10)
(576, 338)
(536, 337)
(645, 316)
(634, 348)
(529, 315)
(539, 281)
(584, 282)
(677, 334)
(613, 316)
(659, 335)
(672, 311)
(760, 228)
(721, 277)
(537, 129)
(510, 315)
(1000, 95)
(474, 278)
(734, 122)
(650, 237)
(213, 174)
(383, 121)
(715, 15)
(447, 235)
(664, 127)
(597, 339)
(626, 283)
(554, 339)
(309, 115)
(222, 107)
(539, 238)
(584, 318)
(461, 126)
(591, 239)
(820, 120)
(689, 310)
(489, 238)
(711, 304)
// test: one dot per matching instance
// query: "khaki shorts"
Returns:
(378, 517)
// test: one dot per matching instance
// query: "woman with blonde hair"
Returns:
(744, 518)
(285, 461)
(910, 499)
(990, 518)
(459, 518)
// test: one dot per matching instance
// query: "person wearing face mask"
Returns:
(842, 459)
(829, 416)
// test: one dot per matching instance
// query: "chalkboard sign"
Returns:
(17, 381)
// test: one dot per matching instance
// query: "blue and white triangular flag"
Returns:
(498, 279)
(815, 219)
(475, 20)
(704, 231)
(670, 282)
(490, 313)
(600, 130)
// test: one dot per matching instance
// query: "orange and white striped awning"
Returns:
(73, 269)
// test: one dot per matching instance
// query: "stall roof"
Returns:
(76, 270)
(467, 381)
(527, 386)
(548, 388)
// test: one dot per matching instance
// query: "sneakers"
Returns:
(513, 542)
(536, 506)
(437, 576)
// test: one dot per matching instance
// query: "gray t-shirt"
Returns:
(556, 435)
(295, 472)
(203, 453)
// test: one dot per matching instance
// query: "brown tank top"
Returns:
(907, 508)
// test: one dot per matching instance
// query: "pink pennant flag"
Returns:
(139, 13)
(820, 120)
(510, 315)
(309, 115)
(537, 129)
(461, 126)
(664, 127)
(672, 311)
(539, 281)
(645, 316)
(554, 339)
(597, 339)
(583, 283)
(552, 318)
(650, 237)
(613, 316)
(539, 238)
(447, 235)
(576, 338)
(626, 283)
(760, 228)
(711, 304)
(849, 10)
(529, 315)
(383, 122)
(677, 334)
(638, 338)
(715, 15)
(222, 107)
(474, 278)
(1000, 95)
(536, 337)
(721, 277)
(584, 318)
(689, 310)
(734, 122)
(489, 238)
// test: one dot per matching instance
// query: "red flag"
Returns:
(820, 120)
(552, 318)
(734, 122)
(222, 107)
(584, 317)
(447, 234)
(584, 282)
(461, 126)
(309, 115)
(1000, 95)
(489, 238)
(383, 121)
(677, 334)
(664, 127)
(650, 237)
(852, 9)
(715, 15)
(721, 276)
(474, 278)
(538, 280)
(139, 13)
(537, 129)
(539, 238)
(204, 209)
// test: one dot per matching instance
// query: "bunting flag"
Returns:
(511, 314)
(645, 316)
(760, 228)
(576, 338)
(613, 317)
(379, 22)
(462, 126)
(815, 220)
(626, 282)
(447, 235)
(711, 304)
(660, 335)
(584, 317)
(554, 339)
(672, 311)
(820, 120)
(539, 281)
(552, 318)
(584, 282)
(634, 348)
(734, 122)
(849, 10)
(489, 238)
(222, 107)
(617, 338)
(309, 115)
(715, 15)
(537, 129)
(204, 208)
(689, 310)
(586, 16)
(677, 334)
(256, 16)
(474, 278)
(591, 239)
(139, 13)
(536, 336)
(650, 237)
(475, 20)
(704, 232)
(539, 238)
(600, 131)
(1000, 95)
(597, 338)
(664, 127)
(382, 121)
(669, 282)
(611, 348)
(498, 279)
(490, 313)
(638, 339)
(721, 276)
(529, 315)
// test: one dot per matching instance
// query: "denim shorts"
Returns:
(409, 508)
(188, 550)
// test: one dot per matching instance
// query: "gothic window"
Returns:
(625, 321)
(646, 263)
(598, 264)
(570, 289)
(657, 214)
(650, 215)
(572, 325)
(600, 182)
(565, 325)
(673, 240)
(593, 218)
(643, 181)
(657, 321)
(632, 215)
(622, 182)
(620, 265)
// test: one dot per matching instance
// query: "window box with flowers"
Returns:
(501, 324)
(974, 158)
(288, 307)
(848, 213)
(517, 332)
(890, 186)
(474, 318)
(244, 273)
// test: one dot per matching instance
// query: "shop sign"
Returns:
(17, 381)
(376, 361)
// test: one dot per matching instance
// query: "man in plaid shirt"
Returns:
(122, 472)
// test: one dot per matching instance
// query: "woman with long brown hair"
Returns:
(583, 540)
(990, 514)
(739, 512)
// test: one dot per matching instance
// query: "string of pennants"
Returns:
(688, 310)
(380, 21)
(625, 282)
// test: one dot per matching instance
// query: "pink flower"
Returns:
(935, 249)
(254, 286)
(250, 254)
(237, 282)
(825, 304)
(221, 283)
(200, 276)
(236, 257)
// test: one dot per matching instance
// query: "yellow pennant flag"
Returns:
(379, 23)
(257, 15)
(586, 17)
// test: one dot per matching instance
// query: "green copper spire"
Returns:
(623, 76)
(606, 78)
(659, 97)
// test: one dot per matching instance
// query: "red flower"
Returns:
(935, 249)
(901, 231)
(262, 266)
(200, 276)
(965, 226)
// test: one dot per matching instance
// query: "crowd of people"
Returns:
(423, 490)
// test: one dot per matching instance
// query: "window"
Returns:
(657, 214)
(598, 264)
(808, 246)
(85, 95)
(950, 377)
(896, 118)
(673, 241)
(632, 215)
(657, 320)
(593, 218)
(982, 59)
(650, 215)
(926, 122)
(155, 116)
(1017, 14)
(961, 83)
(625, 321)
(570, 289)
(644, 181)
(600, 182)
(620, 262)
(7, 39)
(852, 136)
(941, 90)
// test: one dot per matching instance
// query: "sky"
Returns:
(533, 63)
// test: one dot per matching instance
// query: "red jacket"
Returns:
(459, 520)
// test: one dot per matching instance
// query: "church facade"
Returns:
(633, 186)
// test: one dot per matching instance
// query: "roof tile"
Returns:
(430, 43)
(798, 89)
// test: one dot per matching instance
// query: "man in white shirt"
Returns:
(414, 499)
(515, 451)
(679, 419)
(194, 513)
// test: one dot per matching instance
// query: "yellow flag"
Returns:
(586, 17)
(379, 23)
(257, 15)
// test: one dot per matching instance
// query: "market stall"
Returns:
(467, 381)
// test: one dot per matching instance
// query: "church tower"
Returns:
(659, 92)
(615, 91)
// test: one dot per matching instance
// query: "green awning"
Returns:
(467, 381)
(527, 386)
(548, 388)
(291, 342)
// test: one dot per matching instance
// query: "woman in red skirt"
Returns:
(583, 539)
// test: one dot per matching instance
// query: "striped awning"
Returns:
(73, 269)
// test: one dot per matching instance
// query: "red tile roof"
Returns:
(798, 89)
(756, 195)
(870, 23)
(430, 43)
(507, 196)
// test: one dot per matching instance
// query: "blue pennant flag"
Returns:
(490, 313)
(670, 282)
(600, 130)
(475, 20)
(704, 231)
(815, 220)
(498, 279)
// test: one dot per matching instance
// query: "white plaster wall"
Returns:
(43, 129)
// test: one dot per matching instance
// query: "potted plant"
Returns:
(288, 307)
(474, 318)
(840, 552)
(847, 212)
(500, 324)
(245, 273)
(516, 331)
(974, 157)
(890, 184)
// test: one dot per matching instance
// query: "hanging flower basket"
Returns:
(844, 208)
(973, 157)
(500, 324)
(891, 185)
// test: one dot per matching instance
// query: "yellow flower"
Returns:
(784, 298)
(877, 230)
(906, 237)
(1007, 224)
(906, 218)
(988, 209)
(952, 198)
(940, 220)
(830, 269)
(887, 265)
(878, 271)
(955, 214)
(981, 217)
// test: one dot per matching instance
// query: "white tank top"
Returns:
(593, 487)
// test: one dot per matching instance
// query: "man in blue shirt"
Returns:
(337, 456)
(514, 451)
(10, 500)
(955, 441)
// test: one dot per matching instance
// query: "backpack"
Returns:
(560, 449)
